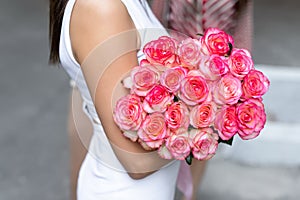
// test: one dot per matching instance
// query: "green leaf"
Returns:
(190, 127)
(189, 159)
(175, 98)
(230, 50)
(229, 142)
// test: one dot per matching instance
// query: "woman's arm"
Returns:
(107, 25)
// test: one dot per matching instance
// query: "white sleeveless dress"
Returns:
(102, 177)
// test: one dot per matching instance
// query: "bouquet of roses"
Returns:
(186, 97)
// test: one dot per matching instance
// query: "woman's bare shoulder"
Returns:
(93, 21)
(100, 8)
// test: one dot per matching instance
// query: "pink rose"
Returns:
(240, 63)
(144, 62)
(213, 67)
(203, 115)
(145, 145)
(182, 70)
(128, 115)
(161, 51)
(153, 130)
(215, 41)
(227, 90)
(177, 116)
(255, 84)
(189, 52)
(178, 146)
(143, 79)
(164, 152)
(157, 99)
(251, 118)
(204, 143)
(171, 79)
(194, 89)
(226, 122)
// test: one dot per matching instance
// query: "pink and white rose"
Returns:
(161, 51)
(215, 41)
(182, 70)
(177, 117)
(144, 62)
(153, 130)
(189, 52)
(240, 63)
(186, 97)
(157, 99)
(204, 143)
(144, 79)
(255, 85)
(251, 118)
(203, 115)
(194, 89)
(213, 67)
(164, 152)
(227, 90)
(171, 79)
(226, 122)
(129, 115)
(178, 145)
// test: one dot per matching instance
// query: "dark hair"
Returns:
(56, 14)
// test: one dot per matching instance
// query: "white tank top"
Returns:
(108, 173)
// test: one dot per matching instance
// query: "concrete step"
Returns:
(227, 180)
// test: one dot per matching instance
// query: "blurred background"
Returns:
(34, 105)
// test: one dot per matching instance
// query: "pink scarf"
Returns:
(243, 30)
(185, 180)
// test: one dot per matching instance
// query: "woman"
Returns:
(82, 124)
(106, 32)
